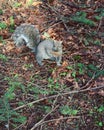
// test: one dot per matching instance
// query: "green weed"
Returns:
(17, 4)
(53, 85)
(1, 11)
(46, 35)
(7, 114)
(28, 66)
(97, 42)
(97, 112)
(30, 2)
(3, 25)
(81, 18)
(78, 68)
(3, 57)
(12, 25)
(100, 12)
(1, 38)
(66, 110)
(93, 70)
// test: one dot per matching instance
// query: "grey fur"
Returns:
(26, 34)
(46, 50)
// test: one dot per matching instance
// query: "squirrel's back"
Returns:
(28, 34)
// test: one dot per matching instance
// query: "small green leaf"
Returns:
(20, 119)
(3, 58)
(92, 67)
(1, 11)
(98, 17)
(16, 4)
(100, 124)
(97, 42)
(70, 67)
(46, 35)
(66, 110)
(74, 74)
(101, 108)
(47, 109)
(77, 57)
(3, 25)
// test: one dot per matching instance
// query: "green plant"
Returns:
(14, 84)
(29, 2)
(1, 12)
(7, 114)
(77, 57)
(47, 109)
(17, 4)
(100, 109)
(87, 40)
(12, 24)
(1, 38)
(63, 73)
(66, 110)
(28, 66)
(53, 85)
(100, 12)
(93, 70)
(46, 35)
(81, 18)
(97, 112)
(3, 25)
(97, 42)
(78, 68)
(3, 58)
(11, 20)
(90, 39)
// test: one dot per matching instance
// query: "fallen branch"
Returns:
(41, 121)
(58, 119)
(54, 96)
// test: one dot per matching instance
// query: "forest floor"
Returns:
(68, 97)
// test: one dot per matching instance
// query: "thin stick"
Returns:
(41, 121)
(58, 119)
(54, 96)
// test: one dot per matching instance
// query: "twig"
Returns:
(51, 26)
(41, 121)
(59, 16)
(19, 126)
(99, 24)
(23, 54)
(62, 94)
(89, 81)
(58, 119)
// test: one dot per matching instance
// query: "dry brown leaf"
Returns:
(37, 3)
(65, 64)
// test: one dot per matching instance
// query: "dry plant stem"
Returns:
(38, 124)
(87, 84)
(56, 11)
(58, 119)
(54, 96)
(99, 24)
(17, 128)
(23, 54)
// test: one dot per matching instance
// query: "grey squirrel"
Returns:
(49, 49)
(26, 34)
